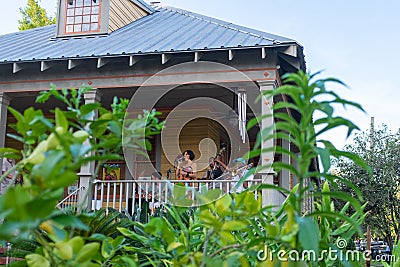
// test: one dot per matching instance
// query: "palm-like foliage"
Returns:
(94, 225)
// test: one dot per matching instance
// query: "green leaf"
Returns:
(76, 243)
(308, 234)
(61, 120)
(63, 180)
(208, 196)
(88, 109)
(174, 245)
(87, 252)
(36, 260)
(132, 235)
(107, 249)
(71, 221)
(223, 204)
(179, 191)
(324, 156)
(43, 97)
(63, 250)
(233, 226)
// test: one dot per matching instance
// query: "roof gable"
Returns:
(123, 12)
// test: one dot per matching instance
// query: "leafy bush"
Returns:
(54, 149)
(235, 230)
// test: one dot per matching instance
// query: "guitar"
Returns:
(217, 164)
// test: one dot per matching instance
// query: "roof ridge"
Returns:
(217, 22)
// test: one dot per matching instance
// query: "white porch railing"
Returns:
(71, 201)
(144, 196)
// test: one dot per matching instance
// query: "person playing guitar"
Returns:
(216, 166)
(187, 168)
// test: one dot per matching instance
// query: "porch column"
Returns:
(285, 174)
(87, 170)
(4, 103)
(270, 197)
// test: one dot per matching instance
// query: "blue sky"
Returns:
(355, 41)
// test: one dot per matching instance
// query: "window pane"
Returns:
(95, 18)
(88, 2)
(95, 10)
(77, 28)
(86, 10)
(95, 2)
(79, 3)
(78, 11)
(70, 20)
(94, 26)
(85, 27)
(78, 19)
(69, 28)
(70, 12)
(71, 3)
(86, 19)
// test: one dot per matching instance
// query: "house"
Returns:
(202, 73)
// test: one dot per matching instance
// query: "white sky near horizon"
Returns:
(355, 41)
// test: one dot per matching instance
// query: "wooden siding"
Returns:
(123, 12)
(189, 138)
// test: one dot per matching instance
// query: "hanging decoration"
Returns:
(242, 104)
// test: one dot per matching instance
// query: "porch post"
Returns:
(4, 103)
(87, 170)
(269, 197)
(285, 174)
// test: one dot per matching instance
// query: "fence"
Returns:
(142, 197)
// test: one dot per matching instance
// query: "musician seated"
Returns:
(217, 168)
(241, 171)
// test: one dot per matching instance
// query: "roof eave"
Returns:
(139, 53)
(149, 9)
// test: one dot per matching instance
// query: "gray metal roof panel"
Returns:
(167, 29)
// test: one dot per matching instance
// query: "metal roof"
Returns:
(166, 30)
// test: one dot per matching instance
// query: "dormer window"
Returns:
(83, 16)
(90, 17)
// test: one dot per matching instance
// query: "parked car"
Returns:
(379, 248)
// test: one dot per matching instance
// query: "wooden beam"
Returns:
(102, 61)
(231, 54)
(45, 65)
(197, 56)
(263, 53)
(72, 63)
(17, 67)
(291, 51)
(133, 60)
(165, 58)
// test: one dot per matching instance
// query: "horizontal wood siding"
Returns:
(189, 138)
(123, 12)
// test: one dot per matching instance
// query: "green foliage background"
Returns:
(231, 231)
(34, 16)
